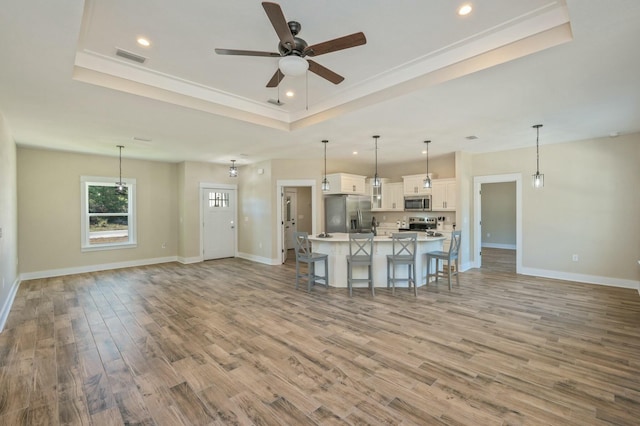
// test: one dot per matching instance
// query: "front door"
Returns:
(219, 222)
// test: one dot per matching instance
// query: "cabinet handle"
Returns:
(354, 188)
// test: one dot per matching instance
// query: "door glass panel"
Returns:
(288, 202)
(218, 199)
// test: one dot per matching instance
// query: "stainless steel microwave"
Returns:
(419, 203)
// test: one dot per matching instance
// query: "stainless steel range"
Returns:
(422, 223)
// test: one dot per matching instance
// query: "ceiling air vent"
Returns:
(130, 56)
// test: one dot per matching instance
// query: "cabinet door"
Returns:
(443, 196)
(414, 185)
(353, 185)
(378, 195)
(342, 183)
(452, 193)
(394, 196)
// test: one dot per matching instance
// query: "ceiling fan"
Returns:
(292, 50)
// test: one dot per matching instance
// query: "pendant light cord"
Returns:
(120, 161)
(537, 127)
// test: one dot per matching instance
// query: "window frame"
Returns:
(85, 183)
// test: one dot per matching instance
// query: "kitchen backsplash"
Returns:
(391, 218)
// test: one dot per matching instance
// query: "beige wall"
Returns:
(499, 213)
(8, 219)
(190, 175)
(589, 206)
(256, 216)
(49, 209)
(574, 214)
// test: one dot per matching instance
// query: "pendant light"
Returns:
(538, 178)
(426, 183)
(325, 182)
(121, 187)
(233, 170)
(376, 179)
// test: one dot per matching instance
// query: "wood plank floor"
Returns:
(232, 342)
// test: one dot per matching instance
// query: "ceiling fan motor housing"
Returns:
(298, 48)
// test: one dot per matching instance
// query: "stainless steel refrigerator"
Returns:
(347, 213)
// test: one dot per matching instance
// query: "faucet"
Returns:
(374, 226)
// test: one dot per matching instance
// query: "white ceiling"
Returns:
(424, 73)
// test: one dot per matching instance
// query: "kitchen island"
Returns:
(337, 248)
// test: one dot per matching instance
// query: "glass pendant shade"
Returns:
(426, 183)
(537, 177)
(538, 180)
(325, 182)
(233, 170)
(325, 185)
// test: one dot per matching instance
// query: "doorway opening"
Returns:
(296, 211)
(502, 250)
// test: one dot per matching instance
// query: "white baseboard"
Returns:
(499, 246)
(94, 268)
(259, 259)
(583, 278)
(187, 260)
(6, 308)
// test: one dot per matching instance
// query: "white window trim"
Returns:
(84, 208)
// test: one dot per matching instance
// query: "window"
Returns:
(108, 217)
(218, 199)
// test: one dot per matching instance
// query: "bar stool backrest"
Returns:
(404, 244)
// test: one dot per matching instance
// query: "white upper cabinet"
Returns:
(444, 195)
(393, 196)
(345, 183)
(414, 185)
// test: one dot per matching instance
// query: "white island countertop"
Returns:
(337, 249)
(343, 237)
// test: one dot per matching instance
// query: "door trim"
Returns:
(208, 185)
(477, 215)
(280, 185)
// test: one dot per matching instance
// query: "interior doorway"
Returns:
(303, 215)
(290, 209)
(479, 181)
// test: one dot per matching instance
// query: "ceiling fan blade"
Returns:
(246, 53)
(324, 72)
(275, 15)
(276, 79)
(352, 40)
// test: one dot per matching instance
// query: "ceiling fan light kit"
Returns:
(293, 66)
(292, 50)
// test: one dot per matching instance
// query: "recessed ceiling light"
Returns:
(290, 93)
(355, 152)
(424, 151)
(465, 9)
(143, 42)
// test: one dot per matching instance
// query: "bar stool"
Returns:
(449, 256)
(360, 254)
(403, 253)
(305, 255)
